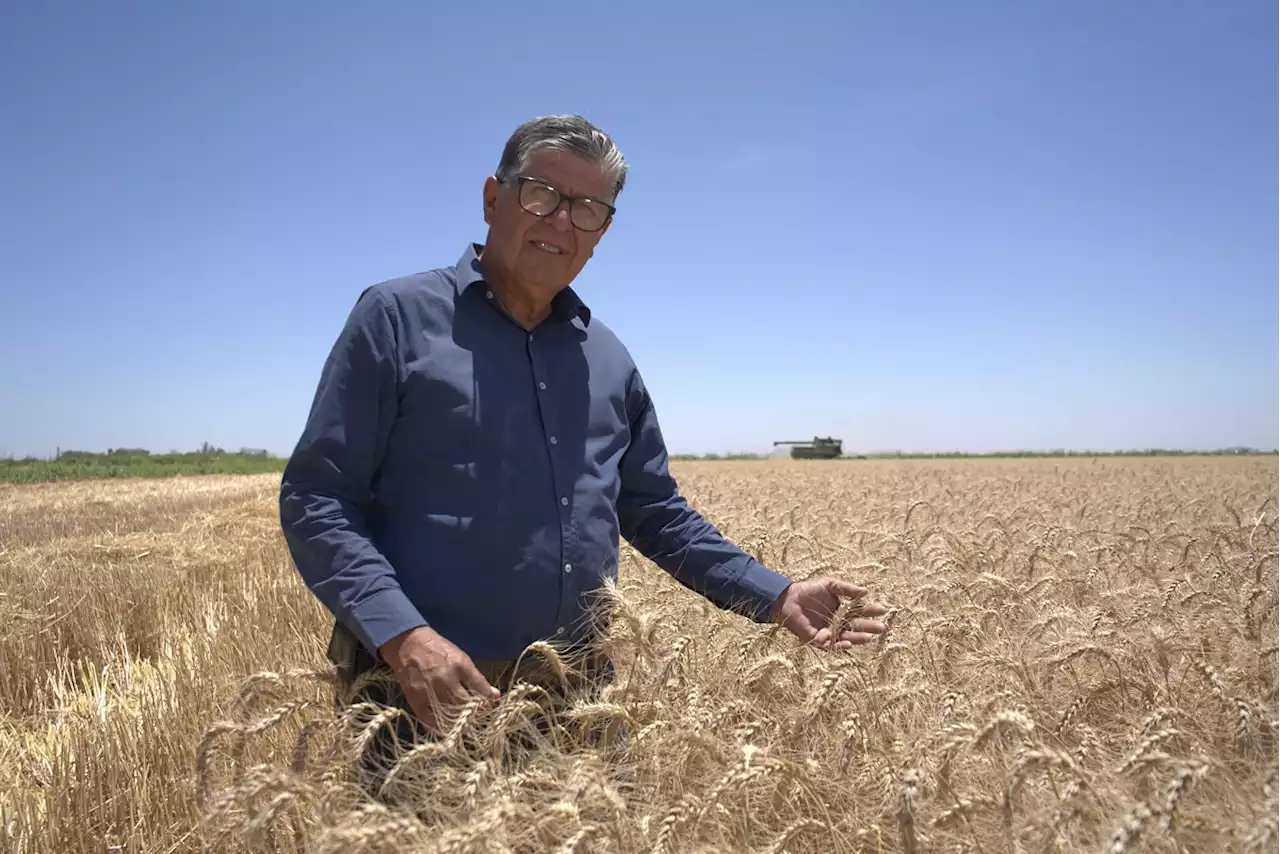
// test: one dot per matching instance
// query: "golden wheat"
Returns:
(1082, 657)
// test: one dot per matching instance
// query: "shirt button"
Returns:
(488, 294)
(568, 567)
(542, 386)
(564, 501)
(553, 440)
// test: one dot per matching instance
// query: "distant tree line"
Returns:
(205, 450)
(1060, 452)
(73, 464)
(957, 455)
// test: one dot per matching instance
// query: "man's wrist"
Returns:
(762, 588)
(775, 610)
(382, 616)
(391, 651)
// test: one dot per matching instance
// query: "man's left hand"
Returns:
(807, 608)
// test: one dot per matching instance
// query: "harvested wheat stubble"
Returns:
(1082, 658)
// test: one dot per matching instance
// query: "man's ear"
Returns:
(491, 188)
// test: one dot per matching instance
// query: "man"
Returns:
(479, 442)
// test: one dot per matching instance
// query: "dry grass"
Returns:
(1082, 658)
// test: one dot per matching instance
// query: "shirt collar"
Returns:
(566, 306)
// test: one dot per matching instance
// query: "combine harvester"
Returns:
(818, 448)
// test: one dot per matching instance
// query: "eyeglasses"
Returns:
(541, 199)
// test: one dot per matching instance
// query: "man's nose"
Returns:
(561, 219)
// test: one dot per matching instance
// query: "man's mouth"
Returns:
(547, 247)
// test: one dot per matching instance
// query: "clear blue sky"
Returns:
(916, 226)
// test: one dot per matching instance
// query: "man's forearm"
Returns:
(328, 481)
(657, 520)
(677, 538)
(330, 546)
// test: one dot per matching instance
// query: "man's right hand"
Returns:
(437, 678)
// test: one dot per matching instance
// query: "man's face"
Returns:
(544, 253)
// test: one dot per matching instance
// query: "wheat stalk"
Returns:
(1129, 830)
(906, 811)
(821, 695)
(1008, 720)
(574, 844)
(791, 831)
(1176, 791)
(962, 809)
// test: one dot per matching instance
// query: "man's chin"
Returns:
(546, 277)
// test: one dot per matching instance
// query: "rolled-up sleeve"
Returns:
(326, 489)
(661, 525)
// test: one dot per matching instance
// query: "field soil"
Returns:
(1082, 658)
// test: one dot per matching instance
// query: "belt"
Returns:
(577, 670)
(580, 667)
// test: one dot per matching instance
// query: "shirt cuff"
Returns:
(383, 616)
(760, 587)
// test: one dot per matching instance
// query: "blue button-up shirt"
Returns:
(460, 471)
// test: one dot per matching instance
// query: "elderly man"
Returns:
(479, 442)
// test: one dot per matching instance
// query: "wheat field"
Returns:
(1082, 657)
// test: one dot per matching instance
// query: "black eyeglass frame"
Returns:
(521, 180)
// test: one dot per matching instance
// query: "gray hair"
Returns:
(569, 133)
